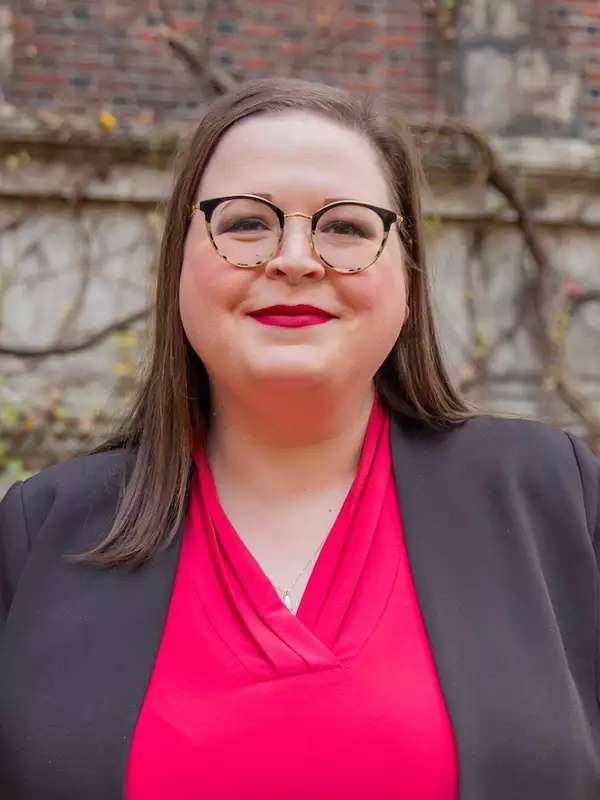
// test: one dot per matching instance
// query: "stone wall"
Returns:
(78, 245)
(529, 67)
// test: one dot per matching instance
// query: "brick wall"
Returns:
(577, 32)
(91, 54)
(77, 54)
(72, 54)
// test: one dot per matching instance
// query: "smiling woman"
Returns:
(304, 567)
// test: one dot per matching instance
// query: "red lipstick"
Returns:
(297, 316)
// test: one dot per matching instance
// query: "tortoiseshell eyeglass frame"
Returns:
(388, 217)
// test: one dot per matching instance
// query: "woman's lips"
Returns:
(291, 317)
(292, 320)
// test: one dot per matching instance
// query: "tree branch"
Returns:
(498, 178)
(579, 404)
(77, 347)
(576, 301)
(196, 54)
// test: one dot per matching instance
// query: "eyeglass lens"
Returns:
(247, 232)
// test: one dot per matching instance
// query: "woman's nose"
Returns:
(296, 259)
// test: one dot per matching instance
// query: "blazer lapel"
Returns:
(148, 603)
(436, 532)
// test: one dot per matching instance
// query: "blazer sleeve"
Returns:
(14, 545)
(589, 472)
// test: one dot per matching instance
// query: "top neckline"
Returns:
(348, 586)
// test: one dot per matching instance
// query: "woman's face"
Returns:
(301, 161)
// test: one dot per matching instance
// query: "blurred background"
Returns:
(96, 97)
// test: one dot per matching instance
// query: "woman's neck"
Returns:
(271, 448)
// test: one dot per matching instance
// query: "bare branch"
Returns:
(85, 273)
(196, 55)
(499, 178)
(579, 404)
(197, 62)
(580, 299)
(77, 347)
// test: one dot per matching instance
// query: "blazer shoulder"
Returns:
(80, 483)
(56, 497)
(516, 433)
(486, 437)
(536, 447)
(92, 478)
(105, 465)
(511, 454)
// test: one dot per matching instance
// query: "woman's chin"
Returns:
(291, 369)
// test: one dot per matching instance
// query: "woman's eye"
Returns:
(343, 228)
(247, 224)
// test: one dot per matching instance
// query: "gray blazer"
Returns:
(502, 524)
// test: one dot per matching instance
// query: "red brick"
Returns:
(353, 85)
(256, 29)
(366, 56)
(396, 40)
(257, 63)
(292, 48)
(43, 77)
(22, 26)
(354, 23)
(236, 43)
(395, 72)
(149, 36)
(187, 24)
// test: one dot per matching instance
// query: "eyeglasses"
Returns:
(246, 230)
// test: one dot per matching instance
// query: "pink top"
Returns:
(248, 700)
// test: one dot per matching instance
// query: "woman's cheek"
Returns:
(370, 291)
(384, 302)
(207, 287)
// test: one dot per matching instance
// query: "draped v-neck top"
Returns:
(248, 700)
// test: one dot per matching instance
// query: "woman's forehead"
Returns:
(299, 150)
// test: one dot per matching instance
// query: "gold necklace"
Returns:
(286, 593)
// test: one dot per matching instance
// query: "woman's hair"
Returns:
(172, 407)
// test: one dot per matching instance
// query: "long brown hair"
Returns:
(173, 403)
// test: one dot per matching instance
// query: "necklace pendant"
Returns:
(287, 600)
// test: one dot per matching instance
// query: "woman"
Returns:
(304, 569)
